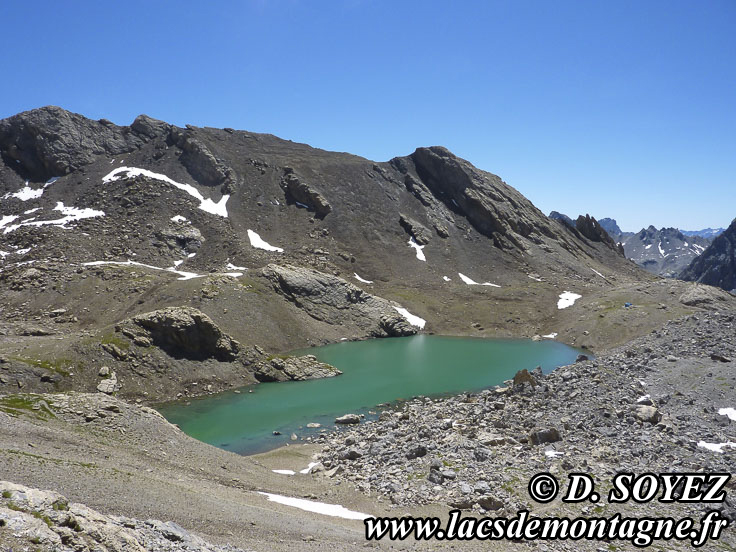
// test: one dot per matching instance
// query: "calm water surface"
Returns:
(374, 371)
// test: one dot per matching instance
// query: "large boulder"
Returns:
(183, 332)
(296, 368)
(700, 296)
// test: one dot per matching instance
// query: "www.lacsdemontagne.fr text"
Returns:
(640, 532)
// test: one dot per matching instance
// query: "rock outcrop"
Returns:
(716, 266)
(703, 296)
(183, 332)
(333, 300)
(201, 162)
(298, 191)
(51, 141)
(180, 236)
(32, 519)
(297, 368)
(415, 229)
(493, 208)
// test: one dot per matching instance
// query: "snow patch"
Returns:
(308, 469)
(730, 412)
(553, 453)
(598, 273)
(445, 278)
(334, 510)
(550, 336)
(7, 219)
(206, 204)
(659, 246)
(231, 266)
(284, 472)
(648, 246)
(418, 248)
(25, 194)
(716, 447)
(184, 275)
(643, 398)
(362, 279)
(472, 282)
(258, 243)
(412, 319)
(567, 299)
(179, 218)
(31, 211)
(71, 214)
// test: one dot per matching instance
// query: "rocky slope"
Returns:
(716, 266)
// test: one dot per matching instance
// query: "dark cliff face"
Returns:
(716, 266)
(51, 142)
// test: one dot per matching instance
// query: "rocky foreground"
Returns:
(47, 520)
(651, 406)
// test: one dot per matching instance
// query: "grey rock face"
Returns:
(294, 368)
(46, 520)
(184, 332)
(333, 300)
(150, 127)
(51, 141)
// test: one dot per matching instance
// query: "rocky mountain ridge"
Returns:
(716, 266)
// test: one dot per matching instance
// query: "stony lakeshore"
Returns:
(662, 403)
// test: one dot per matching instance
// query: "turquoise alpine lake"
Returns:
(374, 372)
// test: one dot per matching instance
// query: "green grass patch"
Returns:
(112, 338)
(7, 494)
(43, 459)
(59, 365)
(17, 405)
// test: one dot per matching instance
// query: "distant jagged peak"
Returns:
(611, 226)
(591, 229)
(555, 215)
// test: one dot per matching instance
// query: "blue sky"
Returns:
(620, 109)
